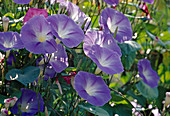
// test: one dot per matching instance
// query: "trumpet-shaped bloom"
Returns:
(37, 36)
(148, 1)
(59, 59)
(100, 38)
(146, 72)
(107, 60)
(34, 12)
(92, 88)
(49, 71)
(66, 30)
(114, 21)
(75, 13)
(112, 2)
(22, 1)
(28, 103)
(10, 40)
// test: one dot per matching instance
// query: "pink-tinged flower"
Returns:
(102, 39)
(144, 8)
(22, 1)
(66, 30)
(107, 60)
(59, 59)
(4, 112)
(34, 12)
(28, 103)
(111, 20)
(148, 1)
(10, 102)
(37, 36)
(10, 40)
(68, 78)
(112, 2)
(149, 76)
(92, 88)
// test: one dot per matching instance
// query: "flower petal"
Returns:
(59, 59)
(146, 72)
(10, 40)
(107, 60)
(102, 39)
(37, 36)
(111, 20)
(66, 30)
(92, 88)
(34, 12)
(22, 1)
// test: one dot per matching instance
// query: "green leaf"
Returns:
(105, 110)
(128, 50)
(2, 98)
(140, 99)
(25, 76)
(147, 91)
(122, 110)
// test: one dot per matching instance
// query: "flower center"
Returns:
(42, 38)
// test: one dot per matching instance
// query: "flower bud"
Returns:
(167, 99)
(10, 102)
(5, 23)
(4, 112)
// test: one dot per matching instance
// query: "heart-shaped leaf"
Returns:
(25, 76)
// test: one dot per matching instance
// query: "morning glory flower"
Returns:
(102, 39)
(92, 88)
(28, 103)
(66, 30)
(75, 13)
(112, 2)
(37, 36)
(107, 60)
(111, 20)
(10, 40)
(34, 12)
(22, 1)
(49, 71)
(148, 1)
(59, 59)
(149, 76)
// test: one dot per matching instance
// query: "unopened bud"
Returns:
(5, 23)
(4, 112)
(167, 99)
(10, 102)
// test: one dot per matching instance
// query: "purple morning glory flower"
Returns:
(148, 1)
(75, 13)
(37, 36)
(49, 71)
(111, 19)
(146, 72)
(102, 39)
(66, 30)
(28, 103)
(22, 1)
(59, 59)
(112, 2)
(107, 60)
(10, 40)
(92, 88)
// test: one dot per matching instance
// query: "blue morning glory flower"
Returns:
(149, 76)
(27, 103)
(92, 88)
